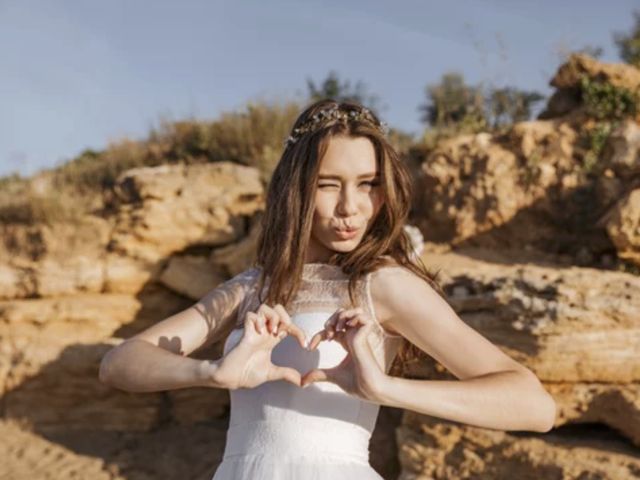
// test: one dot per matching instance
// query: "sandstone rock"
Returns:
(168, 452)
(431, 449)
(623, 226)
(191, 276)
(28, 455)
(567, 325)
(568, 97)
(167, 209)
(619, 74)
(238, 257)
(509, 191)
(197, 405)
(69, 259)
(15, 282)
(77, 273)
(129, 275)
(66, 394)
(35, 332)
(624, 143)
(612, 404)
(181, 230)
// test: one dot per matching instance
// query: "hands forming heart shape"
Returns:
(249, 364)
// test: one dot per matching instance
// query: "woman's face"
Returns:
(347, 199)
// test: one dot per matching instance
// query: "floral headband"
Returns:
(334, 113)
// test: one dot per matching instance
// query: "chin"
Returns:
(345, 245)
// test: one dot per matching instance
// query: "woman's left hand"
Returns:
(359, 373)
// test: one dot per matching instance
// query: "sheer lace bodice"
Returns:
(324, 288)
(315, 432)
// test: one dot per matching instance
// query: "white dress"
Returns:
(278, 431)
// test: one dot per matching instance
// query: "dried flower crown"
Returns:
(334, 113)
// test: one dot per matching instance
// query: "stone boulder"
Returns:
(167, 209)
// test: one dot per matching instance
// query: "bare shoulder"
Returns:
(392, 286)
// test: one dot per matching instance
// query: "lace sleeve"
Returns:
(222, 305)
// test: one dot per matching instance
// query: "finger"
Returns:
(360, 318)
(272, 318)
(291, 328)
(341, 338)
(285, 373)
(256, 321)
(330, 324)
(316, 375)
(281, 318)
(345, 316)
(360, 342)
(316, 339)
(297, 332)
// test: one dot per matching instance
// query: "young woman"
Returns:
(335, 295)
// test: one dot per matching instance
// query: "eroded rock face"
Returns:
(536, 185)
(576, 328)
(66, 297)
(624, 143)
(89, 285)
(430, 449)
(623, 226)
(567, 81)
(523, 188)
(35, 261)
(568, 325)
(167, 209)
(618, 74)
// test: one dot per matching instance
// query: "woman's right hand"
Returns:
(248, 364)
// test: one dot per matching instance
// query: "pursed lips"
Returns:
(347, 229)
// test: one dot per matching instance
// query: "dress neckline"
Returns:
(322, 271)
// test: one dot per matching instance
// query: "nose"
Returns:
(347, 205)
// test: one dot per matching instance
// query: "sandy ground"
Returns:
(190, 453)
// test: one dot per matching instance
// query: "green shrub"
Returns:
(605, 101)
(608, 105)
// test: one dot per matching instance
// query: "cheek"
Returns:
(320, 221)
(376, 201)
(323, 210)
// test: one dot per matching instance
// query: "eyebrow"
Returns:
(337, 177)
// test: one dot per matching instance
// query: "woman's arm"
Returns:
(139, 366)
(156, 359)
(494, 391)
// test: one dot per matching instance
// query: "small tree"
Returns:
(509, 105)
(451, 102)
(332, 87)
(629, 44)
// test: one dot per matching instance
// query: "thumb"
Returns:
(285, 373)
(319, 375)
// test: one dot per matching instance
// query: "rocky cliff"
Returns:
(535, 252)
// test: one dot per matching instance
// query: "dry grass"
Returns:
(251, 137)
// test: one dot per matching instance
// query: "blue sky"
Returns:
(78, 74)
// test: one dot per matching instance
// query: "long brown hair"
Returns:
(287, 220)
